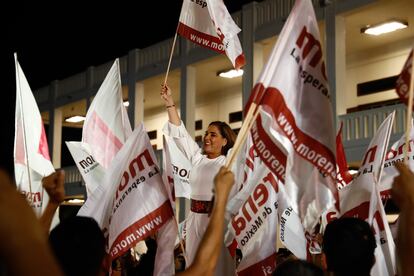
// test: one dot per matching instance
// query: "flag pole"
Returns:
(251, 116)
(409, 114)
(24, 126)
(171, 55)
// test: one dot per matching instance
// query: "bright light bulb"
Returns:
(384, 28)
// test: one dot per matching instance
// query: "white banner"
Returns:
(395, 154)
(31, 152)
(105, 130)
(293, 88)
(106, 125)
(361, 199)
(253, 227)
(92, 172)
(177, 169)
(209, 24)
(137, 205)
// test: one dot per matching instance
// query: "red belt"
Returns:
(201, 206)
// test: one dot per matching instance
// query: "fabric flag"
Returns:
(395, 154)
(255, 207)
(343, 177)
(402, 86)
(92, 172)
(293, 88)
(209, 24)
(105, 130)
(177, 169)
(361, 199)
(106, 125)
(137, 206)
(31, 152)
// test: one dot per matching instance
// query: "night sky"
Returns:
(55, 40)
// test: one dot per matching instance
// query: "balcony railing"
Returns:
(359, 127)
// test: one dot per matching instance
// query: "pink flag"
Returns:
(403, 82)
(293, 89)
(209, 24)
(343, 176)
(31, 153)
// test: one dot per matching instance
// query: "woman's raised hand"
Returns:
(166, 95)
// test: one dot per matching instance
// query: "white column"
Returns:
(340, 65)
(139, 103)
(57, 137)
(257, 61)
(190, 100)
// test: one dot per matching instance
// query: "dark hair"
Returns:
(297, 268)
(226, 132)
(349, 246)
(79, 246)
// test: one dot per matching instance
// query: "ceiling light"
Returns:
(385, 27)
(232, 73)
(75, 119)
(126, 103)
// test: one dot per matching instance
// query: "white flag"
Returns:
(105, 130)
(255, 207)
(209, 24)
(177, 169)
(293, 88)
(361, 199)
(31, 152)
(132, 203)
(395, 154)
(92, 172)
(106, 125)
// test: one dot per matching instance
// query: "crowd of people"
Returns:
(77, 246)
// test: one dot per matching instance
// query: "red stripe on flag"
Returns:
(130, 237)
(202, 39)
(277, 162)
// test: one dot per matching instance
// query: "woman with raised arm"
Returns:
(206, 162)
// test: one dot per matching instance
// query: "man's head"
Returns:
(349, 245)
(79, 246)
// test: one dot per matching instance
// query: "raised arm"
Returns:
(166, 96)
(54, 185)
(209, 250)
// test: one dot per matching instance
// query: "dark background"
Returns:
(55, 40)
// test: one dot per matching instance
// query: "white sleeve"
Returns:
(184, 141)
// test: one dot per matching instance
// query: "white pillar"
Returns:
(57, 137)
(257, 61)
(340, 64)
(190, 100)
(139, 103)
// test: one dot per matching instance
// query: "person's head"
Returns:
(79, 245)
(349, 245)
(218, 139)
(297, 268)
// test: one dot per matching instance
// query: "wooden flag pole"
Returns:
(171, 55)
(409, 114)
(241, 137)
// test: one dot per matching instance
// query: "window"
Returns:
(198, 124)
(235, 116)
(152, 134)
(375, 86)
